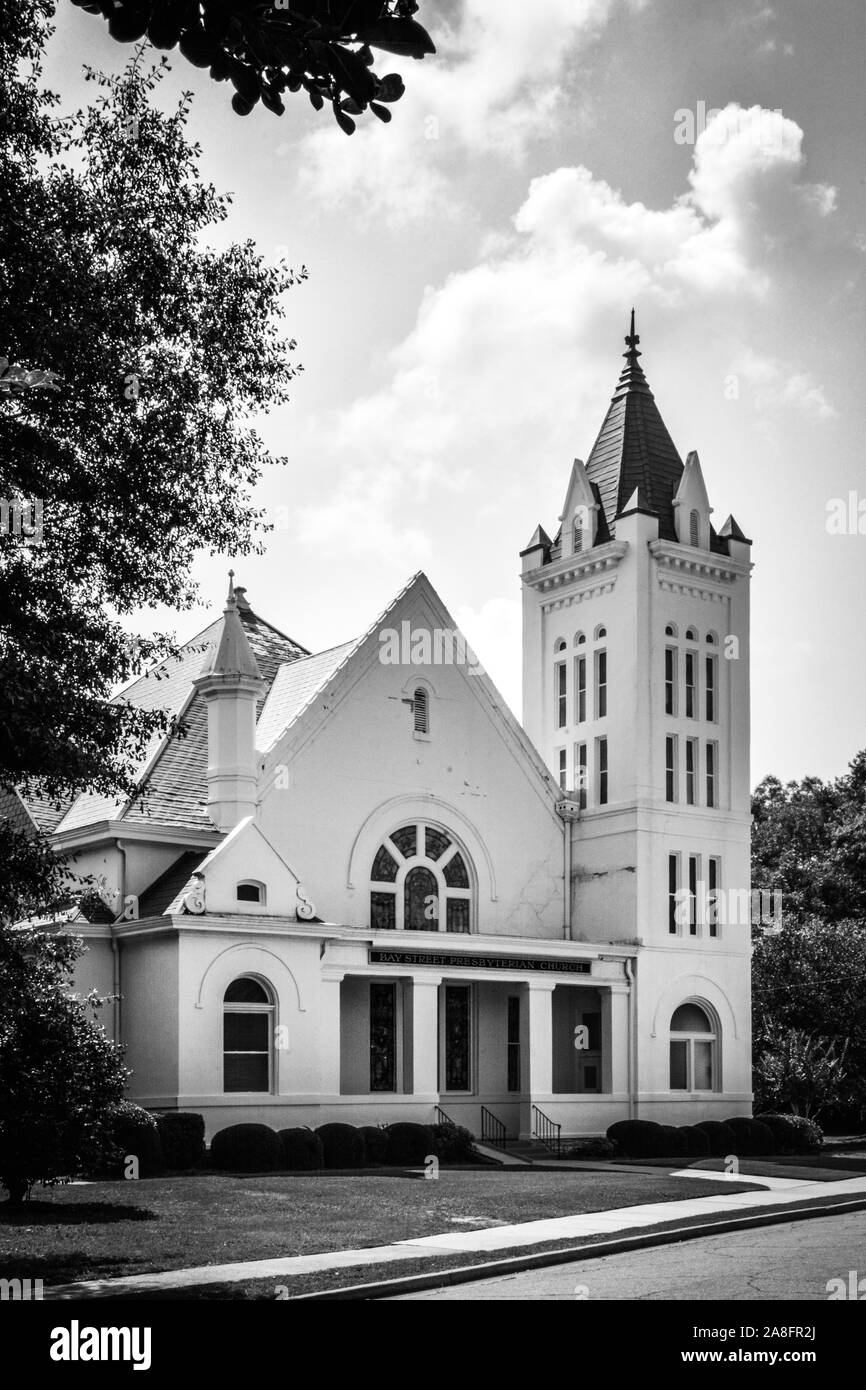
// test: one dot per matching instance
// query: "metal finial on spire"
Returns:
(231, 593)
(632, 340)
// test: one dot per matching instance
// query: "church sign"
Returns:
(457, 961)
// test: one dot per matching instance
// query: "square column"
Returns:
(421, 1037)
(614, 1038)
(539, 1001)
(329, 1034)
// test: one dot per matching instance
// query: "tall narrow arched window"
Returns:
(694, 1043)
(577, 533)
(248, 1031)
(694, 529)
(421, 711)
(420, 881)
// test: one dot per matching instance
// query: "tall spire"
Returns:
(634, 451)
(631, 377)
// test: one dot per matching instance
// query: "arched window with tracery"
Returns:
(420, 881)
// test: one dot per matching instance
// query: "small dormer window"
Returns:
(421, 711)
(577, 533)
(251, 892)
(694, 529)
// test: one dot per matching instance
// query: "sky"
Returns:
(471, 270)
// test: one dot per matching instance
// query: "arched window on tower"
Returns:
(694, 1044)
(694, 529)
(577, 533)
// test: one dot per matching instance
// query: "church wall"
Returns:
(362, 773)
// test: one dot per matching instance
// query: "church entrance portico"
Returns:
(468, 1044)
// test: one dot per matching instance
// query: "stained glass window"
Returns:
(383, 1037)
(421, 893)
(384, 867)
(457, 1038)
(455, 874)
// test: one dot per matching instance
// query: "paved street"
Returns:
(792, 1261)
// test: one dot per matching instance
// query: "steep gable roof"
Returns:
(354, 654)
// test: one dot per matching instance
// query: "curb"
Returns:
(465, 1274)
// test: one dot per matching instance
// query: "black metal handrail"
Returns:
(442, 1118)
(492, 1129)
(546, 1131)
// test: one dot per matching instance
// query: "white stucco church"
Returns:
(357, 889)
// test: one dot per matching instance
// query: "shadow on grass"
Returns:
(71, 1214)
(69, 1268)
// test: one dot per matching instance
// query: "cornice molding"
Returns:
(586, 566)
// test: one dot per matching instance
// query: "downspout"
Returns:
(115, 947)
(632, 1037)
(566, 880)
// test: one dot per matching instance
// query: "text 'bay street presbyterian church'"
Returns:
(357, 889)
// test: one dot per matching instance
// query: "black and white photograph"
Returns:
(432, 673)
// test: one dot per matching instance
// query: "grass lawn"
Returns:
(112, 1229)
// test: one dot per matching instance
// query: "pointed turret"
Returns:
(231, 684)
(232, 655)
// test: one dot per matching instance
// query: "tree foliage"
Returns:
(809, 841)
(266, 48)
(165, 351)
(59, 1072)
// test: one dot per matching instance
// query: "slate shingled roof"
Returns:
(295, 685)
(634, 450)
(173, 791)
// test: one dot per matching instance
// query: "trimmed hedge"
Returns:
(721, 1138)
(181, 1134)
(697, 1143)
(247, 1149)
(375, 1145)
(302, 1150)
(636, 1138)
(589, 1148)
(134, 1133)
(409, 1144)
(343, 1145)
(452, 1143)
(752, 1138)
(672, 1143)
(793, 1134)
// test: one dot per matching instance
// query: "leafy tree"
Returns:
(268, 47)
(800, 1072)
(164, 351)
(59, 1073)
(809, 1012)
(809, 841)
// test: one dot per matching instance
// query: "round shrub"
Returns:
(793, 1134)
(752, 1138)
(375, 1145)
(636, 1138)
(134, 1133)
(671, 1142)
(342, 1145)
(409, 1144)
(247, 1149)
(452, 1144)
(302, 1150)
(181, 1134)
(696, 1141)
(720, 1137)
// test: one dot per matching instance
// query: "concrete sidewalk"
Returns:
(489, 1238)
